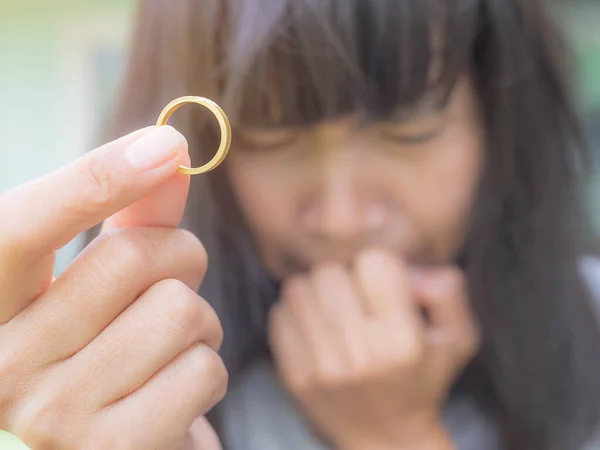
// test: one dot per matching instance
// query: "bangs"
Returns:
(297, 62)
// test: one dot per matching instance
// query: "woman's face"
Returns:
(324, 193)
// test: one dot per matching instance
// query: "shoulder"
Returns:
(590, 271)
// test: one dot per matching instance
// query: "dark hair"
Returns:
(272, 62)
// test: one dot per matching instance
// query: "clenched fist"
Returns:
(118, 352)
(371, 352)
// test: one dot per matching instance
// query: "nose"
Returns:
(344, 207)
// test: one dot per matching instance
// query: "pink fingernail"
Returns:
(159, 146)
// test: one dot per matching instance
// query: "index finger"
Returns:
(44, 215)
(384, 281)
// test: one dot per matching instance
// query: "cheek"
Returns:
(457, 173)
(448, 188)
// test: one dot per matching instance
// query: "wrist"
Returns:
(434, 437)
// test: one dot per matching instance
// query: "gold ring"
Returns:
(223, 124)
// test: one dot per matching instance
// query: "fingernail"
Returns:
(159, 146)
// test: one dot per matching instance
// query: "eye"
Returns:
(267, 139)
(413, 131)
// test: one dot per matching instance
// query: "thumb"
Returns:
(162, 207)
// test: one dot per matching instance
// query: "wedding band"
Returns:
(224, 125)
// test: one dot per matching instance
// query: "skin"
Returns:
(123, 330)
(86, 358)
(324, 193)
(361, 224)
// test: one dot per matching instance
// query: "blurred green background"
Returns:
(59, 64)
(60, 61)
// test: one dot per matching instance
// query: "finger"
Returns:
(442, 292)
(47, 213)
(395, 329)
(383, 280)
(452, 326)
(170, 401)
(292, 358)
(168, 318)
(103, 281)
(337, 299)
(162, 207)
(202, 436)
(300, 298)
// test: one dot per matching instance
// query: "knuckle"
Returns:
(188, 314)
(112, 259)
(211, 325)
(193, 244)
(41, 422)
(373, 370)
(294, 287)
(328, 274)
(363, 376)
(189, 247)
(98, 181)
(362, 373)
(296, 300)
(182, 307)
(221, 377)
(209, 366)
(327, 270)
(406, 354)
(129, 247)
(133, 247)
(329, 377)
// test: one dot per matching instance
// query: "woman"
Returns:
(395, 239)
(441, 131)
